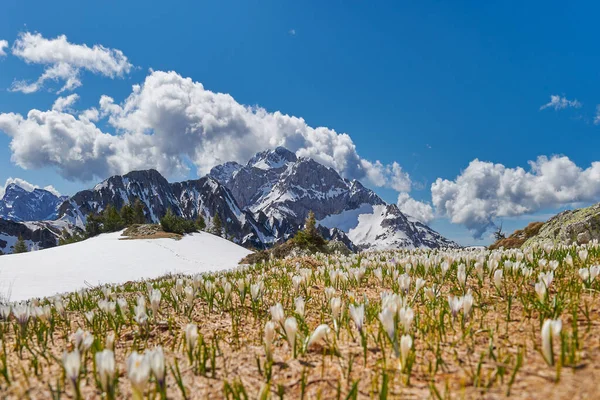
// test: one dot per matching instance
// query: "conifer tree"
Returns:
(93, 225)
(217, 228)
(310, 226)
(112, 220)
(138, 212)
(200, 222)
(20, 246)
(127, 215)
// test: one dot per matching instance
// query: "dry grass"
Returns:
(518, 237)
(493, 352)
(148, 231)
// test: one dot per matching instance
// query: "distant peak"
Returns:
(270, 159)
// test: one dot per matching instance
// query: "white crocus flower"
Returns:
(191, 336)
(419, 283)
(269, 336)
(550, 331)
(406, 343)
(299, 303)
(155, 298)
(256, 290)
(72, 365)
(105, 366)
(291, 328)
(467, 304)
(406, 316)
(498, 275)
(540, 290)
(569, 260)
(277, 313)
(156, 358)
(357, 313)
(138, 372)
(83, 340)
(318, 334)
(456, 304)
(461, 275)
(387, 320)
(336, 310)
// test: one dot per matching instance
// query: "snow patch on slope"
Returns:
(106, 259)
(347, 219)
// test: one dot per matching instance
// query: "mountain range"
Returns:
(261, 203)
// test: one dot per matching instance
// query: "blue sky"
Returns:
(430, 85)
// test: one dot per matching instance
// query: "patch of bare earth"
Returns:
(148, 231)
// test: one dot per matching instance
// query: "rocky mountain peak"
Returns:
(20, 204)
(224, 172)
(272, 159)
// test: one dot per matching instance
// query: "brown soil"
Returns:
(148, 231)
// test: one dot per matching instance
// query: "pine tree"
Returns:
(217, 228)
(112, 220)
(93, 225)
(20, 246)
(200, 222)
(310, 226)
(127, 215)
(138, 212)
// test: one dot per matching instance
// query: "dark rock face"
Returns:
(189, 199)
(38, 235)
(148, 186)
(19, 204)
(280, 189)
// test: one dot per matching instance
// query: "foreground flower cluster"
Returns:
(384, 324)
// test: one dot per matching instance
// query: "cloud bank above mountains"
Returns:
(169, 121)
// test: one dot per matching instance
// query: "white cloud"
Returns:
(558, 103)
(485, 191)
(64, 61)
(169, 121)
(597, 117)
(416, 209)
(65, 103)
(3, 45)
(25, 185)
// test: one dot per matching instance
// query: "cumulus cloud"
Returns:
(485, 191)
(416, 209)
(3, 45)
(65, 103)
(168, 122)
(25, 185)
(64, 61)
(560, 102)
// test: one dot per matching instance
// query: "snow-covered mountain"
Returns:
(279, 189)
(19, 204)
(189, 199)
(261, 203)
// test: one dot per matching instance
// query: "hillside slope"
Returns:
(581, 226)
(107, 259)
